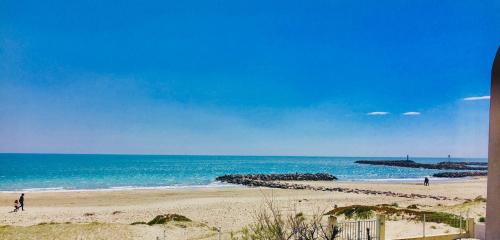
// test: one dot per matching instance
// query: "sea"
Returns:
(96, 172)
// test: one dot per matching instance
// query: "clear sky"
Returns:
(343, 78)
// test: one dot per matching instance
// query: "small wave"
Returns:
(120, 188)
(47, 189)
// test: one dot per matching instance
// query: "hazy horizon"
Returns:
(240, 155)
(258, 78)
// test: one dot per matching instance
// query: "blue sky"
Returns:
(247, 77)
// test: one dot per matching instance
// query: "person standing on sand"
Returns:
(426, 181)
(21, 201)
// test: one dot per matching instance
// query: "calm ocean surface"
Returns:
(87, 171)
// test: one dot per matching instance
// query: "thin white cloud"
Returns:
(411, 113)
(378, 113)
(477, 98)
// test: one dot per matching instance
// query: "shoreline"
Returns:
(218, 184)
(120, 188)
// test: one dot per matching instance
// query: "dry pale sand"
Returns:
(108, 214)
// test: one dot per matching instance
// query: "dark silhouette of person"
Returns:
(426, 181)
(16, 206)
(21, 201)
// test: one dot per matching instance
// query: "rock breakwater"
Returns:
(235, 178)
(440, 166)
(459, 174)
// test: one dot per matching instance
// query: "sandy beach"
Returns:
(108, 214)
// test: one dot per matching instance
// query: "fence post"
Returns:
(359, 230)
(471, 227)
(460, 219)
(423, 226)
(332, 221)
(381, 227)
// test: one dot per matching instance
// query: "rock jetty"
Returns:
(273, 181)
(470, 163)
(459, 174)
(235, 178)
(440, 166)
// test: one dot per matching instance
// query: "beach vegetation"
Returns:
(271, 223)
(165, 218)
(138, 223)
(482, 219)
(413, 206)
(67, 231)
(468, 203)
(45, 223)
(480, 199)
(404, 213)
(356, 212)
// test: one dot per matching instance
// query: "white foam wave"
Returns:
(121, 188)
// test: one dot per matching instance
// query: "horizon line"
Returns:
(233, 155)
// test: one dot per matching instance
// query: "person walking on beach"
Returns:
(21, 201)
(426, 181)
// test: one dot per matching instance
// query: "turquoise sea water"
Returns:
(88, 171)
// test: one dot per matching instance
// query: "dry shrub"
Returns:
(271, 224)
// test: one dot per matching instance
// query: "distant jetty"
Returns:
(439, 166)
(459, 174)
